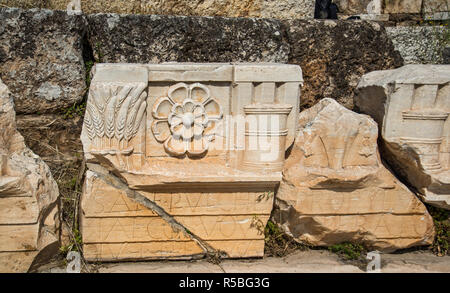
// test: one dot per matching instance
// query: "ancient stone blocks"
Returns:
(194, 153)
(335, 188)
(412, 106)
(28, 197)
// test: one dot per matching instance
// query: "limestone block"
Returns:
(158, 38)
(282, 9)
(41, 59)
(335, 188)
(436, 9)
(198, 149)
(356, 7)
(334, 54)
(412, 104)
(402, 6)
(28, 196)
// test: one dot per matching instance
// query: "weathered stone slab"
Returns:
(199, 149)
(412, 104)
(335, 188)
(402, 6)
(16, 262)
(28, 196)
(335, 54)
(281, 9)
(356, 7)
(419, 44)
(17, 210)
(154, 39)
(41, 58)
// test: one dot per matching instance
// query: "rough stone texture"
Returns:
(335, 188)
(335, 54)
(420, 45)
(282, 9)
(436, 9)
(350, 7)
(144, 39)
(446, 55)
(41, 59)
(288, 9)
(28, 197)
(412, 104)
(402, 6)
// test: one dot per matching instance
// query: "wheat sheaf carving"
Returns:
(114, 112)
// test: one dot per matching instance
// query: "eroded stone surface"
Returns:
(419, 44)
(28, 196)
(282, 9)
(41, 59)
(151, 38)
(402, 6)
(184, 178)
(335, 54)
(335, 188)
(412, 105)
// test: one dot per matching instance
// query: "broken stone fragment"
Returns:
(28, 198)
(412, 106)
(335, 188)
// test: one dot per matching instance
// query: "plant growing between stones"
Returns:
(348, 251)
(279, 244)
(75, 110)
(441, 219)
(88, 65)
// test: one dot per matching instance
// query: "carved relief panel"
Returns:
(200, 144)
(412, 106)
(188, 111)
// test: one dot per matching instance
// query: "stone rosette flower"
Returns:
(185, 120)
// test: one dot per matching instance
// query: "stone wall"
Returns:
(232, 8)
(280, 9)
(335, 54)
(31, 43)
(44, 53)
(41, 59)
(392, 9)
(420, 44)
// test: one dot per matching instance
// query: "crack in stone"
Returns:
(116, 182)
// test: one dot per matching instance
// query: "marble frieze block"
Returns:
(184, 158)
(412, 106)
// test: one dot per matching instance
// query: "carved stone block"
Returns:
(184, 158)
(335, 188)
(412, 106)
(29, 216)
